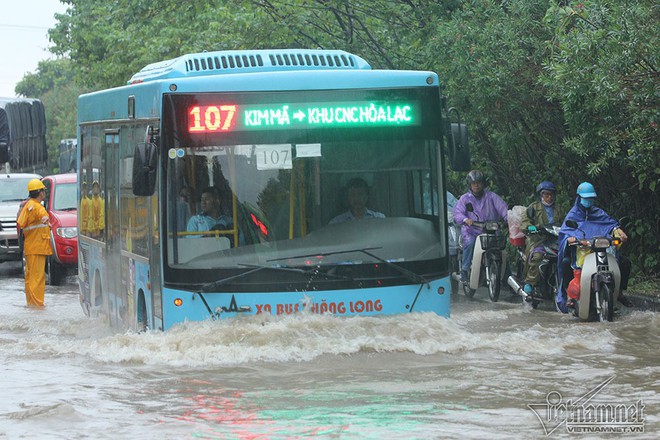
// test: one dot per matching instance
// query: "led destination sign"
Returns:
(232, 117)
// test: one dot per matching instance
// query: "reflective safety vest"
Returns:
(36, 234)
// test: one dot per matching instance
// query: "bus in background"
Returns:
(23, 135)
(217, 180)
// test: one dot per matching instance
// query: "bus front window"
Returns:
(233, 207)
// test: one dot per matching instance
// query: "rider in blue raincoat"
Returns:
(592, 221)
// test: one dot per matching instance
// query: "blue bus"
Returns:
(230, 183)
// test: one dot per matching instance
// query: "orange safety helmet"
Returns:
(35, 184)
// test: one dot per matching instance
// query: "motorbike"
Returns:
(546, 289)
(488, 260)
(453, 237)
(600, 278)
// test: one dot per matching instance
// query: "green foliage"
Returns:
(50, 74)
(603, 71)
(489, 62)
(110, 41)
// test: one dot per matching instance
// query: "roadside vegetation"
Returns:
(559, 90)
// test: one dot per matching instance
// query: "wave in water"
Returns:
(301, 337)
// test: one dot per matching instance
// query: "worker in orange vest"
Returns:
(35, 225)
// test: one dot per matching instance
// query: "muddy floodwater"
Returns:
(497, 371)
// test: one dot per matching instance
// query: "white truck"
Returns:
(13, 190)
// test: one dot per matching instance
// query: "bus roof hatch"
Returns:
(244, 61)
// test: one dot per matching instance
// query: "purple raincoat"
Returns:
(489, 207)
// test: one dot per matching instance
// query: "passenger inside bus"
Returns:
(181, 209)
(357, 196)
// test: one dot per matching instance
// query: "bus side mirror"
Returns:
(459, 150)
(145, 163)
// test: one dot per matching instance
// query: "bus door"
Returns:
(116, 304)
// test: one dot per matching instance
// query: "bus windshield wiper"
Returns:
(410, 275)
(310, 271)
(215, 284)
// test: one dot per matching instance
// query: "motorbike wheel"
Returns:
(607, 303)
(494, 281)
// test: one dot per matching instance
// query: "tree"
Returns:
(111, 41)
(603, 71)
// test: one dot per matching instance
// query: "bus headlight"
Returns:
(67, 232)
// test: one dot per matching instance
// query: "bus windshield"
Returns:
(358, 208)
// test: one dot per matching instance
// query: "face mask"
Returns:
(587, 203)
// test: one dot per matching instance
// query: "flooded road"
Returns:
(484, 373)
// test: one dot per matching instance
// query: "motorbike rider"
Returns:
(486, 206)
(592, 221)
(544, 211)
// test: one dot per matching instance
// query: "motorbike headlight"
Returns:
(491, 226)
(601, 242)
(67, 232)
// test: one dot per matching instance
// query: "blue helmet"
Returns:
(586, 190)
(546, 185)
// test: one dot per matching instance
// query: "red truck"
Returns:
(62, 205)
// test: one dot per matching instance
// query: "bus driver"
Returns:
(358, 195)
(210, 215)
